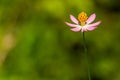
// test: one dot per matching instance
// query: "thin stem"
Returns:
(86, 55)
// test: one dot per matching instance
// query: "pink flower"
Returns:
(83, 23)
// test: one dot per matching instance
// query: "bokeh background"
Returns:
(35, 44)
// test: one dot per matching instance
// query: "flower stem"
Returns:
(86, 56)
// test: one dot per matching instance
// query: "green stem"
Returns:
(86, 55)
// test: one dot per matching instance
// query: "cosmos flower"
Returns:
(83, 23)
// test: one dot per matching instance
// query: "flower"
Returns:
(83, 23)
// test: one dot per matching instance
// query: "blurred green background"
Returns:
(35, 43)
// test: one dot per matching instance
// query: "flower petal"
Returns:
(76, 29)
(74, 19)
(91, 18)
(71, 25)
(93, 26)
(84, 29)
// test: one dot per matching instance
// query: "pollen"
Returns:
(82, 17)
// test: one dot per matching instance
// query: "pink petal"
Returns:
(93, 26)
(76, 29)
(71, 25)
(84, 29)
(91, 18)
(74, 19)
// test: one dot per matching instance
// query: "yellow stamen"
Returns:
(82, 17)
